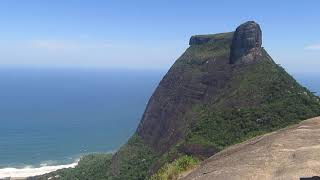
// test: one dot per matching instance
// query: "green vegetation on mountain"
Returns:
(223, 90)
(89, 167)
(94, 166)
(273, 100)
(135, 159)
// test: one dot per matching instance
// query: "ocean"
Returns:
(51, 117)
(309, 80)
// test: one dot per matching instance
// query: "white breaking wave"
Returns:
(32, 171)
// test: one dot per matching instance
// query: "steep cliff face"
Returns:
(198, 75)
(210, 70)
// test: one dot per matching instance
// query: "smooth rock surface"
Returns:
(290, 153)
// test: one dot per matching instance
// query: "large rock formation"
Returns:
(192, 80)
(246, 43)
(182, 88)
(224, 89)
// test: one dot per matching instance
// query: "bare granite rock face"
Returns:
(246, 43)
(290, 153)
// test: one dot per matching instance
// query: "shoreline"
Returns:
(22, 173)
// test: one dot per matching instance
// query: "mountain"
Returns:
(224, 89)
(290, 153)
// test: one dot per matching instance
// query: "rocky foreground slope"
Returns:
(289, 153)
(224, 89)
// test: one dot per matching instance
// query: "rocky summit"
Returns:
(224, 89)
(246, 43)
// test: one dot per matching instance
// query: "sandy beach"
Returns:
(22, 173)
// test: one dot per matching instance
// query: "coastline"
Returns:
(21, 173)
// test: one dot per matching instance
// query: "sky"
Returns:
(144, 34)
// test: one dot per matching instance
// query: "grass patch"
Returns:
(171, 171)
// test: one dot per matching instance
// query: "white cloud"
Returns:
(313, 47)
(65, 45)
(50, 45)
(89, 52)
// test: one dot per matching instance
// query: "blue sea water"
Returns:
(309, 80)
(53, 116)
